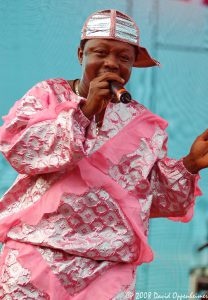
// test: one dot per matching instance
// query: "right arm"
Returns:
(41, 135)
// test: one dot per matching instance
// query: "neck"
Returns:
(83, 89)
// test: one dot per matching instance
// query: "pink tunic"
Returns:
(74, 224)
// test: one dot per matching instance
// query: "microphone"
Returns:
(120, 92)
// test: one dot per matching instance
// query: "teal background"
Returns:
(39, 39)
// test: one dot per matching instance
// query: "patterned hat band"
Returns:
(112, 24)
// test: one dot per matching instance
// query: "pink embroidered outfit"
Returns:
(74, 224)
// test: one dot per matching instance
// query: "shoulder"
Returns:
(53, 85)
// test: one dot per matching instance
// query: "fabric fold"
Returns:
(85, 195)
(128, 139)
(129, 204)
(42, 276)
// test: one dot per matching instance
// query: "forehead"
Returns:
(110, 44)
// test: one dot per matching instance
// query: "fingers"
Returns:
(105, 93)
(100, 87)
(100, 94)
(101, 84)
(109, 76)
(204, 135)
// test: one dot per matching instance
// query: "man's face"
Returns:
(105, 55)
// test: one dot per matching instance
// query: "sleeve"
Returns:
(174, 188)
(42, 134)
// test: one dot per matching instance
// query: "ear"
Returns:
(80, 53)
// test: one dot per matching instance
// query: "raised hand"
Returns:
(99, 94)
(197, 158)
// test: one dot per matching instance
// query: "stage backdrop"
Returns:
(39, 39)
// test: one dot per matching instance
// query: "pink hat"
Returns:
(112, 24)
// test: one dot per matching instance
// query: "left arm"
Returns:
(174, 190)
(197, 158)
(174, 182)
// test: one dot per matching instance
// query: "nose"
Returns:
(111, 63)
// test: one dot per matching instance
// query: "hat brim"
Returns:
(144, 60)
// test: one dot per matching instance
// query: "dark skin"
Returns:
(105, 60)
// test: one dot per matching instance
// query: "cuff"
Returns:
(183, 170)
(81, 119)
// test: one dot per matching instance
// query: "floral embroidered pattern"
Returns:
(29, 105)
(15, 281)
(44, 136)
(171, 188)
(50, 146)
(134, 168)
(116, 117)
(91, 225)
(75, 273)
(34, 188)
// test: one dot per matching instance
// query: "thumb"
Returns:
(204, 135)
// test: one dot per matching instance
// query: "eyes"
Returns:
(102, 53)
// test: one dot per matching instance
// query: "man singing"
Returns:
(92, 171)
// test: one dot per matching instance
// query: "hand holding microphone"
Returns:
(100, 93)
(120, 92)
